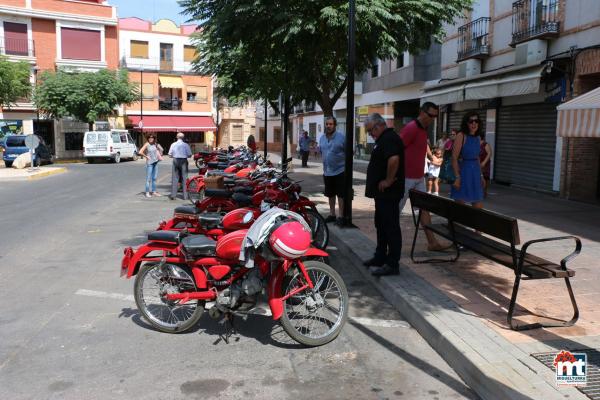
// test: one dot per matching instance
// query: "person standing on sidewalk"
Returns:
(304, 144)
(468, 186)
(414, 137)
(179, 151)
(332, 145)
(385, 184)
(152, 152)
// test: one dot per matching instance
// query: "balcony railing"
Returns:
(171, 105)
(166, 65)
(473, 39)
(534, 19)
(16, 47)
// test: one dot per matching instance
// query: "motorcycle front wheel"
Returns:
(152, 283)
(318, 227)
(315, 316)
(195, 192)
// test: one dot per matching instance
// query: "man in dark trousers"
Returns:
(180, 152)
(385, 184)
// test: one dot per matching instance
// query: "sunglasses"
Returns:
(473, 121)
(431, 115)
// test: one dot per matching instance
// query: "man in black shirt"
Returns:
(385, 184)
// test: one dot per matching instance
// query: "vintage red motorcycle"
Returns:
(176, 274)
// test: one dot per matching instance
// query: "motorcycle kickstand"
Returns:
(229, 327)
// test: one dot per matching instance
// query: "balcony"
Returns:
(17, 47)
(170, 105)
(534, 19)
(473, 39)
(166, 65)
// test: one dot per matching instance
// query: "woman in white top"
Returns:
(152, 152)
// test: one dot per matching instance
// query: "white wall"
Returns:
(154, 40)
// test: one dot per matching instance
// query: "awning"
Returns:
(525, 82)
(580, 117)
(170, 123)
(171, 82)
(447, 95)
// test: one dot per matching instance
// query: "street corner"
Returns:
(12, 174)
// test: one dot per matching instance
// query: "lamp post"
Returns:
(266, 126)
(141, 124)
(348, 192)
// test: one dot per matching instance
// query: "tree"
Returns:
(14, 81)
(86, 96)
(259, 48)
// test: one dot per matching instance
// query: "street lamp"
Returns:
(348, 192)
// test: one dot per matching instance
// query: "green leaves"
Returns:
(87, 96)
(259, 48)
(14, 82)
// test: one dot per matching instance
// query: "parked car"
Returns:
(14, 145)
(112, 145)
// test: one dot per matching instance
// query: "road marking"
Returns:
(104, 295)
(380, 323)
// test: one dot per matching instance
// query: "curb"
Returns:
(492, 366)
(44, 174)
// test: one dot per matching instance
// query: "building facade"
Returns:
(173, 97)
(52, 34)
(514, 62)
(236, 123)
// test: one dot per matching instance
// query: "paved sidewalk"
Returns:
(460, 308)
(13, 174)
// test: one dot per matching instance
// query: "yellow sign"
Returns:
(363, 110)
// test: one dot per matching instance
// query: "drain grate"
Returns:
(592, 388)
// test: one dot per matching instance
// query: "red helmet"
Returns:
(290, 240)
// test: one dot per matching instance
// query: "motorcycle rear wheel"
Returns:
(315, 317)
(195, 193)
(152, 282)
(318, 227)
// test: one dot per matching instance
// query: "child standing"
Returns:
(433, 171)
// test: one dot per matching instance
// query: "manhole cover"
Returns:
(592, 388)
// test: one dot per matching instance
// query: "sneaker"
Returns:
(156, 194)
(436, 193)
(148, 194)
(330, 218)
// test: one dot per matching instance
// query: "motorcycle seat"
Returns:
(242, 199)
(191, 210)
(222, 165)
(164, 236)
(210, 220)
(244, 190)
(220, 173)
(212, 164)
(223, 193)
(199, 245)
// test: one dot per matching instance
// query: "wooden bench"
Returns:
(500, 246)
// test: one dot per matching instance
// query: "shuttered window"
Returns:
(261, 134)
(277, 134)
(139, 49)
(197, 94)
(189, 53)
(15, 39)
(80, 44)
(148, 90)
(236, 133)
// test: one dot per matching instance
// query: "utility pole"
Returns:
(348, 192)
(266, 126)
(141, 125)
(284, 155)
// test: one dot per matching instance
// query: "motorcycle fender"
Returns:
(274, 290)
(141, 254)
(313, 251)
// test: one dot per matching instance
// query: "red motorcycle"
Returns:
(176, 274)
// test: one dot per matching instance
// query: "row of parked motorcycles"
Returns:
(231, 247)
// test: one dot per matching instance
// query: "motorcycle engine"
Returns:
(241, 291)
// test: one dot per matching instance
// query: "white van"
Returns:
(115, 145)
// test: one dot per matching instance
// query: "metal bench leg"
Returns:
(536, 325)
(429, 260)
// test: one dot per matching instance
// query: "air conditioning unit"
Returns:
(469, 68)
(532, 52)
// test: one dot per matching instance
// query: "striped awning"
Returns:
(580, 117)
(170, 82)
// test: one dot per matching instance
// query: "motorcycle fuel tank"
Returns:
(229, 246)
(234, 220)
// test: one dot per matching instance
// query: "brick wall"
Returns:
(580, 169)
(13, 3)
(70, 7)
(44, 37)
(111, 40)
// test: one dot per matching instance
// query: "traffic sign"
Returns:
(32, 141)
(141, 124)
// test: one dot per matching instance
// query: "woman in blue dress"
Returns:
(467, 187)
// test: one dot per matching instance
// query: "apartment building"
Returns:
(268, 126)
(515, 62)
(51, 34)
(236, 123)
(174, 98)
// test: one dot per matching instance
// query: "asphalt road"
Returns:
(70, 330)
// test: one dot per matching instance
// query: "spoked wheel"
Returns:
(199, 164)
(195, 192)
(318, 227)
(314, 317)
(153, 283)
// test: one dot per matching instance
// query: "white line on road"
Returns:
(381, 323)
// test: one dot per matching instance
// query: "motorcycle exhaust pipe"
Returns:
(205, 295)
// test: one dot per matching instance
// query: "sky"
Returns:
(149, 9)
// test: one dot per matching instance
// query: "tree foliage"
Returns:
(14, 81)
(86, 96)
(259, 48)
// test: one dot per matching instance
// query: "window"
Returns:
(123, 138)
(80, 44)
(194, 137)
(73, 140)
(312, 130)
(402, 60)
(148, 90)
(375, 69)
(277, 134)
(15, 39)
(261, 134)
(237, 133)
(197, 94)
(130, 139)
(189, 53)
(139, 49)
(116, 138)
